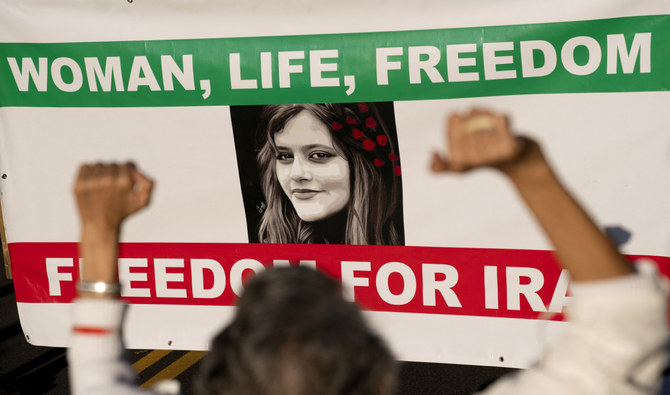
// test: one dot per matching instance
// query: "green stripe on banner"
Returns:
(612, 55)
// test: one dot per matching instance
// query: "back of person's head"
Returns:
(293, 334)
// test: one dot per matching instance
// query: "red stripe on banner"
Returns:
(458, 281)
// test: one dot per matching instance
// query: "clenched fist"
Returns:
(108, 193)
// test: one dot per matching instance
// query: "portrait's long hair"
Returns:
(361, 136)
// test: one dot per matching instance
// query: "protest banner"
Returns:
(449, 268)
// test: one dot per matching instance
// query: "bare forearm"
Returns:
(482, 138)
(106, 195)
(580, 246)
(99, 251)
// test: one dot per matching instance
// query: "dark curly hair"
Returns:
(293, 334)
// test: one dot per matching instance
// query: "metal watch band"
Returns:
(99, 287)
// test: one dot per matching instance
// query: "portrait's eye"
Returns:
(320, 156)
(284, 157)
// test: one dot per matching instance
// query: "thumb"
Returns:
(142, 190)
(438, 164)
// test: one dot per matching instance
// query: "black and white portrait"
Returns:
(320, 173)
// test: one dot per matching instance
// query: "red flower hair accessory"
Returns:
(367, 129)
(363, 107)
(368, 144)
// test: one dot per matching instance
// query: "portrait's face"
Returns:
(311, 172)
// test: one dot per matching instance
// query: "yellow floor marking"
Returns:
(149, 359)
(175, 368)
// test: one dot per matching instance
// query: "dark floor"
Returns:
(26, 369)
(31, 370)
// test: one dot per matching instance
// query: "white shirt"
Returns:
(615, 344)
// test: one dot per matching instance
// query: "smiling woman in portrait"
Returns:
(330, 173)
